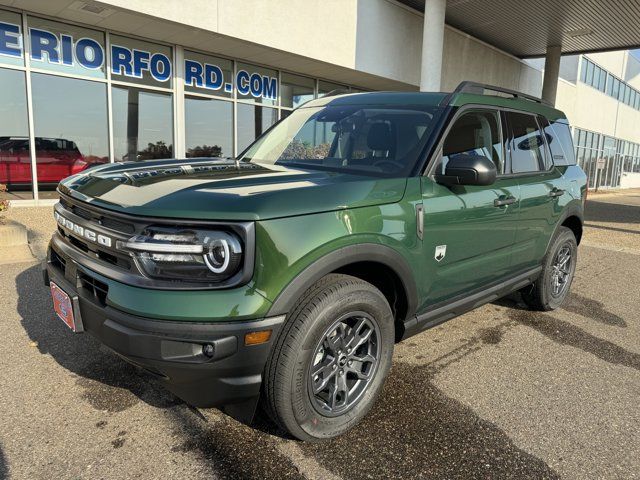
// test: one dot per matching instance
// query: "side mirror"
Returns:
(468, 170)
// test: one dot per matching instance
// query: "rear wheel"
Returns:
(330, 361)
(558, 269)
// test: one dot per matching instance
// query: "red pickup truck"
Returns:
(57, 158)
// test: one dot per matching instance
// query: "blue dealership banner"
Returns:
(64, 50)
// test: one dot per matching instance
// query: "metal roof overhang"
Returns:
(524, 28)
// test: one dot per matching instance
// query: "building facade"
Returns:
(600, 93)
(84, 83)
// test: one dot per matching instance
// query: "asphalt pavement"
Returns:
(501, 392)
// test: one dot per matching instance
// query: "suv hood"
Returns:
(225, 190)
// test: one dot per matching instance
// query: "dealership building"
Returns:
(85, 82)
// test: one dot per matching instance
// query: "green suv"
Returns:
(284, 277)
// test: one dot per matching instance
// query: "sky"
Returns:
(636, 53)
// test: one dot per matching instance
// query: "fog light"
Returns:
(256, 338)
(208, 350)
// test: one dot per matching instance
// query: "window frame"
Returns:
(429, 170)
(547, 151)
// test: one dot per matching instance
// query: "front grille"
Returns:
(101, 219)
(58, 262)
(117, 225)
(94, 287)
(78, 244)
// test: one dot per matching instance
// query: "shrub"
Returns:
(4, 204)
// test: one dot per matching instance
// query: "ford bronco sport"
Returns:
(285, 276)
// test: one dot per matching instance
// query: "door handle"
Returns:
(503, 201)
(556, 192)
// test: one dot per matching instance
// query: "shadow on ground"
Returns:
(414, 431)
(4, 468)
(565, 333)
(107, 381)
(597, 211)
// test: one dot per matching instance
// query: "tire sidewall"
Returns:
(309, 422)
(565, 236)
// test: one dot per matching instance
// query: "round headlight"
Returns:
(221, 252)
(217, 259)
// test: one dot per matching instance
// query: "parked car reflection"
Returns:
(57, 158)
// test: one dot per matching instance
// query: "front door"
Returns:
(469, 231)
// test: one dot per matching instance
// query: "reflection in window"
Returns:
(327, 87)
(559, 140)
(295, 90)
(70, 120)
(142, 124)
(252, 122)
(15, 162)
(367, 139)
(208, 127)
(527, 144)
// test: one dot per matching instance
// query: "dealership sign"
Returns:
(65, 50)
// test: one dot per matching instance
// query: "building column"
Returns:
(432, 45)
(551, 73)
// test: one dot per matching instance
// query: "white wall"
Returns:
(389, 43)
(320, 29)
(378, 37)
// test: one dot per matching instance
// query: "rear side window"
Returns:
(527, 146)
(560, 142)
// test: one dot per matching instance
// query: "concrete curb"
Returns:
(12, 234)
(14, 243)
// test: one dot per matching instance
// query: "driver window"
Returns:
(475, 133)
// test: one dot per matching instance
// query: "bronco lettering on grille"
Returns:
(83, 232)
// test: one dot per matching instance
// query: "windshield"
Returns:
(377, 140)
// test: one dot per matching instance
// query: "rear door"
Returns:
(541, 186)
(469, 231)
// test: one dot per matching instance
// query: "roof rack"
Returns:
(480, 88)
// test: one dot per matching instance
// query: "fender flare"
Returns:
(572, 211)
(342, 257)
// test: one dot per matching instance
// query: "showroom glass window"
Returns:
(142, 117)
(12, 30)
(259, 83)
(142, 124)
(68, 49)
(208, 83)
(295, 90)
(253, 121)
(326, 87)
(70, 121)
(15, 161)
(140, 62)
(208, 127)
(208, 75)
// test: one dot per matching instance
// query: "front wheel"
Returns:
(558, 269)
(330, 361)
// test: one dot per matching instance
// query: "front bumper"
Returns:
(229, 378)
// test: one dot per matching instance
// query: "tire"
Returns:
(336, 303)
(542, 295)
